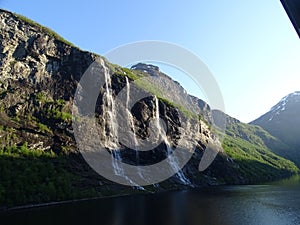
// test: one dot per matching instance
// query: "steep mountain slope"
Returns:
(176, 92)
(39, 158)
(283, 122)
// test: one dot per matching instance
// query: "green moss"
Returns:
(16, 118)
(54, 109)
(66, 116)
(66, 150)
(9, 129)
(187, 113)
(146, 85)
(42, 97)
(124, 72)
(130, 74)
(43, 128)
(58, 115)
(60, 102)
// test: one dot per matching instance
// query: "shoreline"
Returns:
(40, 205)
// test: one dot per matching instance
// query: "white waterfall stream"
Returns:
(111, 132)
(109, 113)
(174, 164)
(132, 137)
(111, 126)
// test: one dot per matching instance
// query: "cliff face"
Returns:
(39, 75)
(36, 71)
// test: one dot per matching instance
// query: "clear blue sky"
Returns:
(250, 46)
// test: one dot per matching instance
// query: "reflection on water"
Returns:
(272, 204)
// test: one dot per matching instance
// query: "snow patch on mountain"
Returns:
(281, 105)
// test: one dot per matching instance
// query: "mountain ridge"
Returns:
(282, 121)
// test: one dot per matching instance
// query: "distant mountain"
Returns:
(283, 122)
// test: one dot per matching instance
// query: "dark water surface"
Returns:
(275, 204)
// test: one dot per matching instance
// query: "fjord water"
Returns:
(276, 204)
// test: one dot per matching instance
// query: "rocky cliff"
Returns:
(39, 158)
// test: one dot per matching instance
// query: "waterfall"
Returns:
(109, 112)
(133, 138)
(110, 130)
(111, 126)
(174, 164)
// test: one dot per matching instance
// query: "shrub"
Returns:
(43, 128)
(41, 97)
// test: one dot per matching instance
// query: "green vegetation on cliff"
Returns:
(31, 176)
(246, 145)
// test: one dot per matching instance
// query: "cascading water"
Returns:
(133, 138)
(111, 131)
(111, 126)
(174, 164)
(109, 112)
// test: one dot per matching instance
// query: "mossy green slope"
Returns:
(247, 146)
